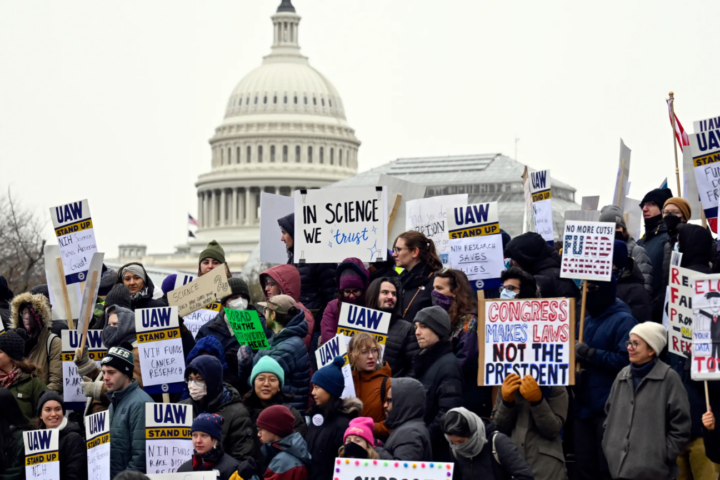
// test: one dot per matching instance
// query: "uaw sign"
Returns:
(42, 458)
(354, 319)
(72, 391)
(162, 359)
(76, 238)
(168, 440)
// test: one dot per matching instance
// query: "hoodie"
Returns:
(288, 278)
(124, 334)
(328, 327)
(409, 436)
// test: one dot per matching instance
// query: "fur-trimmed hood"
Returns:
(352, 406)
(39, 303)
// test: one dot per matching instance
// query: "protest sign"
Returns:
(590, 203)
(55, 289)
(528, 221)
(588, 250)
(705, 151)
(429, 216)
(247, 327)
(409, 191)
(272, 208)
(76, 238)
(623, 175)
(476, 245)
(349, 469)
(542, 204)
(2, 328)
(72, 391)
(211, 287)
(208, 475)
(162, 360)
(706, 327)
(680, 310)
(582, 215)
(528, 337)
(168, 440)
(90, 292)
(97, 432)
(326, 353)
(195, 320)
(354, 319)
(42, 458)
(330, 230)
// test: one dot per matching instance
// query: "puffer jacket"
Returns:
(631, 290)
(368, 388)
(409, 436)
(255, 411)
(143, 298)
(328, 327)
(607, 334)
(400, 347)
(26, 390)
(288, 349)
(127, 429)
(51, 365)
(654, 242)
(536, 428)
(288, 279)
(326, 434)
(643, 262)
(416, 287)
(289, 458)
(73, 452)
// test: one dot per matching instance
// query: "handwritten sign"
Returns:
(330, 227)
(542, 204)
(76, 237)
(354, 319)
(680, 310)
(247, 327)
(72, 391)
(168, 442)
(401, 470)
(162, 360)
(272, 208)
(588, 250)
(706, 327)
(42, 458)
(195, 320)
(327, 352)
(97, 432)
(211, 287)
(527, 337)
(209, 475)
(705, 150)
(429, 216)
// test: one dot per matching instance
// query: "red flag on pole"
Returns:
(680, 135)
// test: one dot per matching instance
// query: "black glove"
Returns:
(580, 378)
(583, 353)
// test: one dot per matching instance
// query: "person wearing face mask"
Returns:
(285, 449)
(359, 440)
(517, 283)
(72, 450)
(31, 315)
(286, 347)
(142, 289)
(352, 281)
(656, 234)
(401, 345)
(602, 354)
(19, 376)
(630, 285)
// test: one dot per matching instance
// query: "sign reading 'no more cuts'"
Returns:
(588, 250)
(76, 238)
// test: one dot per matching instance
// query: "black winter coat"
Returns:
(440, 373)
(226, 466)
(547, 276)
(73, 453)
(401, 347)
(324, 440)
(5, 314)
(317, 287)
(631, 290)
(416, 287)
(654, 244)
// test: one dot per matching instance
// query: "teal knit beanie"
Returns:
(267, 364)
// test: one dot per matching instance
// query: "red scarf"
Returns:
(7, 379)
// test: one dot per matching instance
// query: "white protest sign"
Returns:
(272, 208)
(97, 432)
(209, 475)
(52, 275)
(590, 203)
(162, 360)
(326, 353)
(76, 238)
(72, 391)
(623, 175)
(190, 297)
(588, 250)
(527, 212)
(330, 227)
(168, 442)
(542, 204)
(355, 319)
(42, 458)
(706, 327)
(476, 244)
(90, 291)
(528, 337)
(349, 469)
(680, 310)
(429, 216)
(195, 320)
(705, 151)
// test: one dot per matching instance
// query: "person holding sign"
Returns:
(212, 257)
(12, 445)
(73, 455)
(416, 255)
(352, 281)
(371, 378)
(648, 414)
(142, 289)
(285, 447)
(18, 375)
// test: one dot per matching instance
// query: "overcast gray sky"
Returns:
(115, 101)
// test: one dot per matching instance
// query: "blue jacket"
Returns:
(127, 429)
(607, 334)
(289, 458)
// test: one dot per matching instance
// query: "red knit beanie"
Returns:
(363, 428)
(277, 420)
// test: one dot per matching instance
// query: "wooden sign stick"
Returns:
(393, 213)
(88, 309)
(166, 397)
(707, 396)
(672, 118)
(582, 317)
(66, 297)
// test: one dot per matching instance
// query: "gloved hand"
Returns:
(580, 378)
(245, 355)
(92, 389)
(85, 365)
(530, 390)
(231, 357)
(510, 386)
(583, 353)
(80, 357)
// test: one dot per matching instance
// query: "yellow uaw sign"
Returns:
(540, 196)
(74, 227)
(706, 159)
(42, 458)
(349, 332)
(167, 433)
(168, 441)
(159, 335)
(479, 231)
(96, 442)
(42, 461)
(215, 307)
(96, 355)
(473, 221)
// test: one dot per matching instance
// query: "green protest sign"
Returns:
(247, 328)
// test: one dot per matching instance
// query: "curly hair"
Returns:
(357, 343)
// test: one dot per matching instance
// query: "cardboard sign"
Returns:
(588, 250)
(211, 287)
(272, 208)
(527, 337)
(331, 227)
(247, 327)
(327, 352)
(476, 245)
(680, 310)
(623, 176)
(349, 469)
(76, 238)
(42, 458)
(72, 391)
(97, 432)
(195, 320)
(162, 360)
(705, 150)
(542, 204)
(354, 319)
(168, 442)
(706, 327)
(429, 216)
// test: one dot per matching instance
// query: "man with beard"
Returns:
(602, 354)
(401, 346)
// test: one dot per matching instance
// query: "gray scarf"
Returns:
(474, 445)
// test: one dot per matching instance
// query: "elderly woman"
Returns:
(136, 279)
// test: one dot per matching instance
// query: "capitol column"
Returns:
(234, 209)
(241, 208)
(199, 209)
(247, 206)
(223, 207)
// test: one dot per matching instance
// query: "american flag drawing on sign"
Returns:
(192, 221)
(680, 135)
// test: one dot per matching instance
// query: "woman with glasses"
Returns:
(371, 378)
(517, 283)
(352, 280)
(416, 255)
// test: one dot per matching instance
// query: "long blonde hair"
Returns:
(358, 342)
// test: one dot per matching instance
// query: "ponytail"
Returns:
(426, 247)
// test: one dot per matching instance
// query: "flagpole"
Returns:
(672, 119)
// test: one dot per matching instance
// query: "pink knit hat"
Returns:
(363, 428)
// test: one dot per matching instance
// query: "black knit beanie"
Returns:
(120, 296)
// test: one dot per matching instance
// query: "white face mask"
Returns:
(238, 304)
(507, 294)
(197, 389)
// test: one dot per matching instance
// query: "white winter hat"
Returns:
(653, 333)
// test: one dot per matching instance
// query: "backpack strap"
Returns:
(50, 339)
(494, 450)
(383, 390)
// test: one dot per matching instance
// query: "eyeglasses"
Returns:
(648, 204)
(374, 351)
(509, 288)
(665, 213)
(399, 249)
(632, 345)
(351, 291)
